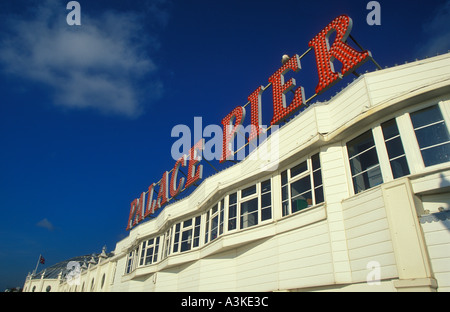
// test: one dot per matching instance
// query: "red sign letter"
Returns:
(326, 54)
(139, 211)
(151, 203)
(133, 207)
(194, 174)
(255, 101)
(229, 131)
(280, 109)
(174, 190)
(163, 194)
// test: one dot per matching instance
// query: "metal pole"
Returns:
(37, 264)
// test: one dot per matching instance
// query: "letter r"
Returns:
(326, 53)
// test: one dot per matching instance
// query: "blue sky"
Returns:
(86, 112)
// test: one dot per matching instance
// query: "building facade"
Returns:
(357, 199)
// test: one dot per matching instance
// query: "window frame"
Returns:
(238, 226)
(130, 264)
(308, 172)
(216, 211)
(144, 249)
(443, 108)
(411, 148)
(179, 240)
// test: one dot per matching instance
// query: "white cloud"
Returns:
(97, 65)
(438, 32)
(44, 223)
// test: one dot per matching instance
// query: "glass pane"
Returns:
(399, 167)
(266, 200)
(367, 179)
(249, 206)
(186, 240)
(187, 223)
(432, 135)
(248, 191)
(317, 177)
(265, 186)
(300, 186)
(360, 144)
(214, 225)
(197, 231)
(214, 209)
(232, 211)
(426, 116)
(394, 148)
(285, 208)
(249, 213)
(364, 161)
(233, 198)
(266, 213)
(315, 161)
(390, 129)
(284, 192)
(298, 169)
(318, 193)
(232, 224)
(436, 155)
(284, 178)
(301, 202)
(149, 258)
(195, 242)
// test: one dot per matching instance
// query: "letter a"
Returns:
(74, 16)
(374, 17)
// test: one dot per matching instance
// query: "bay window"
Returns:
(432, 135)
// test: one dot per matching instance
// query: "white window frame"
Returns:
(130, 264)
(408, 138)
(179, 241)
(167, 246)
(308, 172)
(156, 244)
(240, 200)
(216, 211)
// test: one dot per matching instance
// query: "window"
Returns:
(232, 211)
(149, 251)
(167, 241)
(252, 204)
(364, 164)
(301, 186)
(394, 147)
(432, 135)
(266, 200)
(103, 281)
(129, 264)
(214, 221)
(187, 234)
